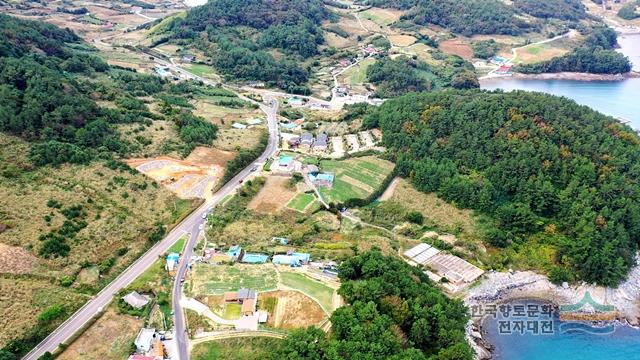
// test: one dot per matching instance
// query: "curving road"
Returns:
(189, 225)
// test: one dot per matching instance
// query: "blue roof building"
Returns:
(234, 251)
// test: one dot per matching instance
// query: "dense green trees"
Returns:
(559, 9)
(539, 165)
(595, 55)
(628, 11)
(393, 312)
(485, 49)
(394, 77)
(241, 33)
(468, 17)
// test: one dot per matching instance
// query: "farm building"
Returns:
(136, 300)
(239, 126)
(296, 101)
(248, 307)
(254, 121)
(145, 339)
(263, 316)
(457, 271)
(306, 140)
(281, 240)
(172, 261)
(312, 169)
(504, 70)
(291, 139)
(188, 58)
(293, 259)
(288, 126)
(322, 179)
(254, 258)
(320, 143)
(162, 71)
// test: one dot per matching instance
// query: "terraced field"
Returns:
(355, 178)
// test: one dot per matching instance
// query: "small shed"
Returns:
(248, 307)
(312, 169)
(254, 121)
(236, 125)
(263, 316)
(144, 340)
(231, 296)
(136, 300)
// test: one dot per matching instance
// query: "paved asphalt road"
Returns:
(191, 222)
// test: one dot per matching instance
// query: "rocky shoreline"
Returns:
(565, 76)
(501, 287)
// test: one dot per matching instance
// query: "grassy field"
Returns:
(179, 245)
(357, 75)
(120, 209)
(317, 290)
(235, 349)
(204, 71)
(212, 280)
(382, 17)
(232, 311)
(354, 178)
(301, 201)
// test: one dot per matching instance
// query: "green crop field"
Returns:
(355, 178)
(235, 349)
(203, 71)
(317, 290)
(212, 280)
(301, 201)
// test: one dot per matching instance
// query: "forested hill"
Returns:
(50, 81)
(395, 312)
(240, 35)
(468, 17)
(544, 169)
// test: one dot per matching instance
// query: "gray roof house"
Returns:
(136, 300)
(306, 139)
(321, 142)
(244, 294)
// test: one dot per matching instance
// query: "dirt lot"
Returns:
(193, 177)
(458, 47)
(16, 260)
(292, 310)
(402, 40)
(110, 337)
(273, 196)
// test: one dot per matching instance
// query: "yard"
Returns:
(355, 177)
(301, 201)
(212, 279)
(235, 349)
(313, 288)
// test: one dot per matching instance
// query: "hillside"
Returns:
(547, 172)
(257, 39)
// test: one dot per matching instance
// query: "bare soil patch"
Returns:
(16, 260)
(293, 310)
(390, 190)
(110, 337)
(402, 40)
(458, 47)
(185, 178)
(206, 156)
(273, 196)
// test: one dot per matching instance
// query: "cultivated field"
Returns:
(355, 177)
(257, 348)
(110, 337)
(457, 46)
(274, 195)
(301, 202)
(382, 17)
(215, 280)
(357, 75)
(402, 40)
(315, 289)
(290, 309)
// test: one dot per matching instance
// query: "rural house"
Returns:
(321, 142)
(306, 140)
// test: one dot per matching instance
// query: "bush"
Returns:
(415, 217)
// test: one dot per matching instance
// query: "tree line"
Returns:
(393, 311)
(596, 55)
(542, 168)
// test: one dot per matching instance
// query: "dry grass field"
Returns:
(457, 46)
(273, 196)
(382, 17)
(120, 210)
(402, 40)
(290, 309)
(109, 338)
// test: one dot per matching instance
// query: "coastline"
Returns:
(501, 287)
(565, 76)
